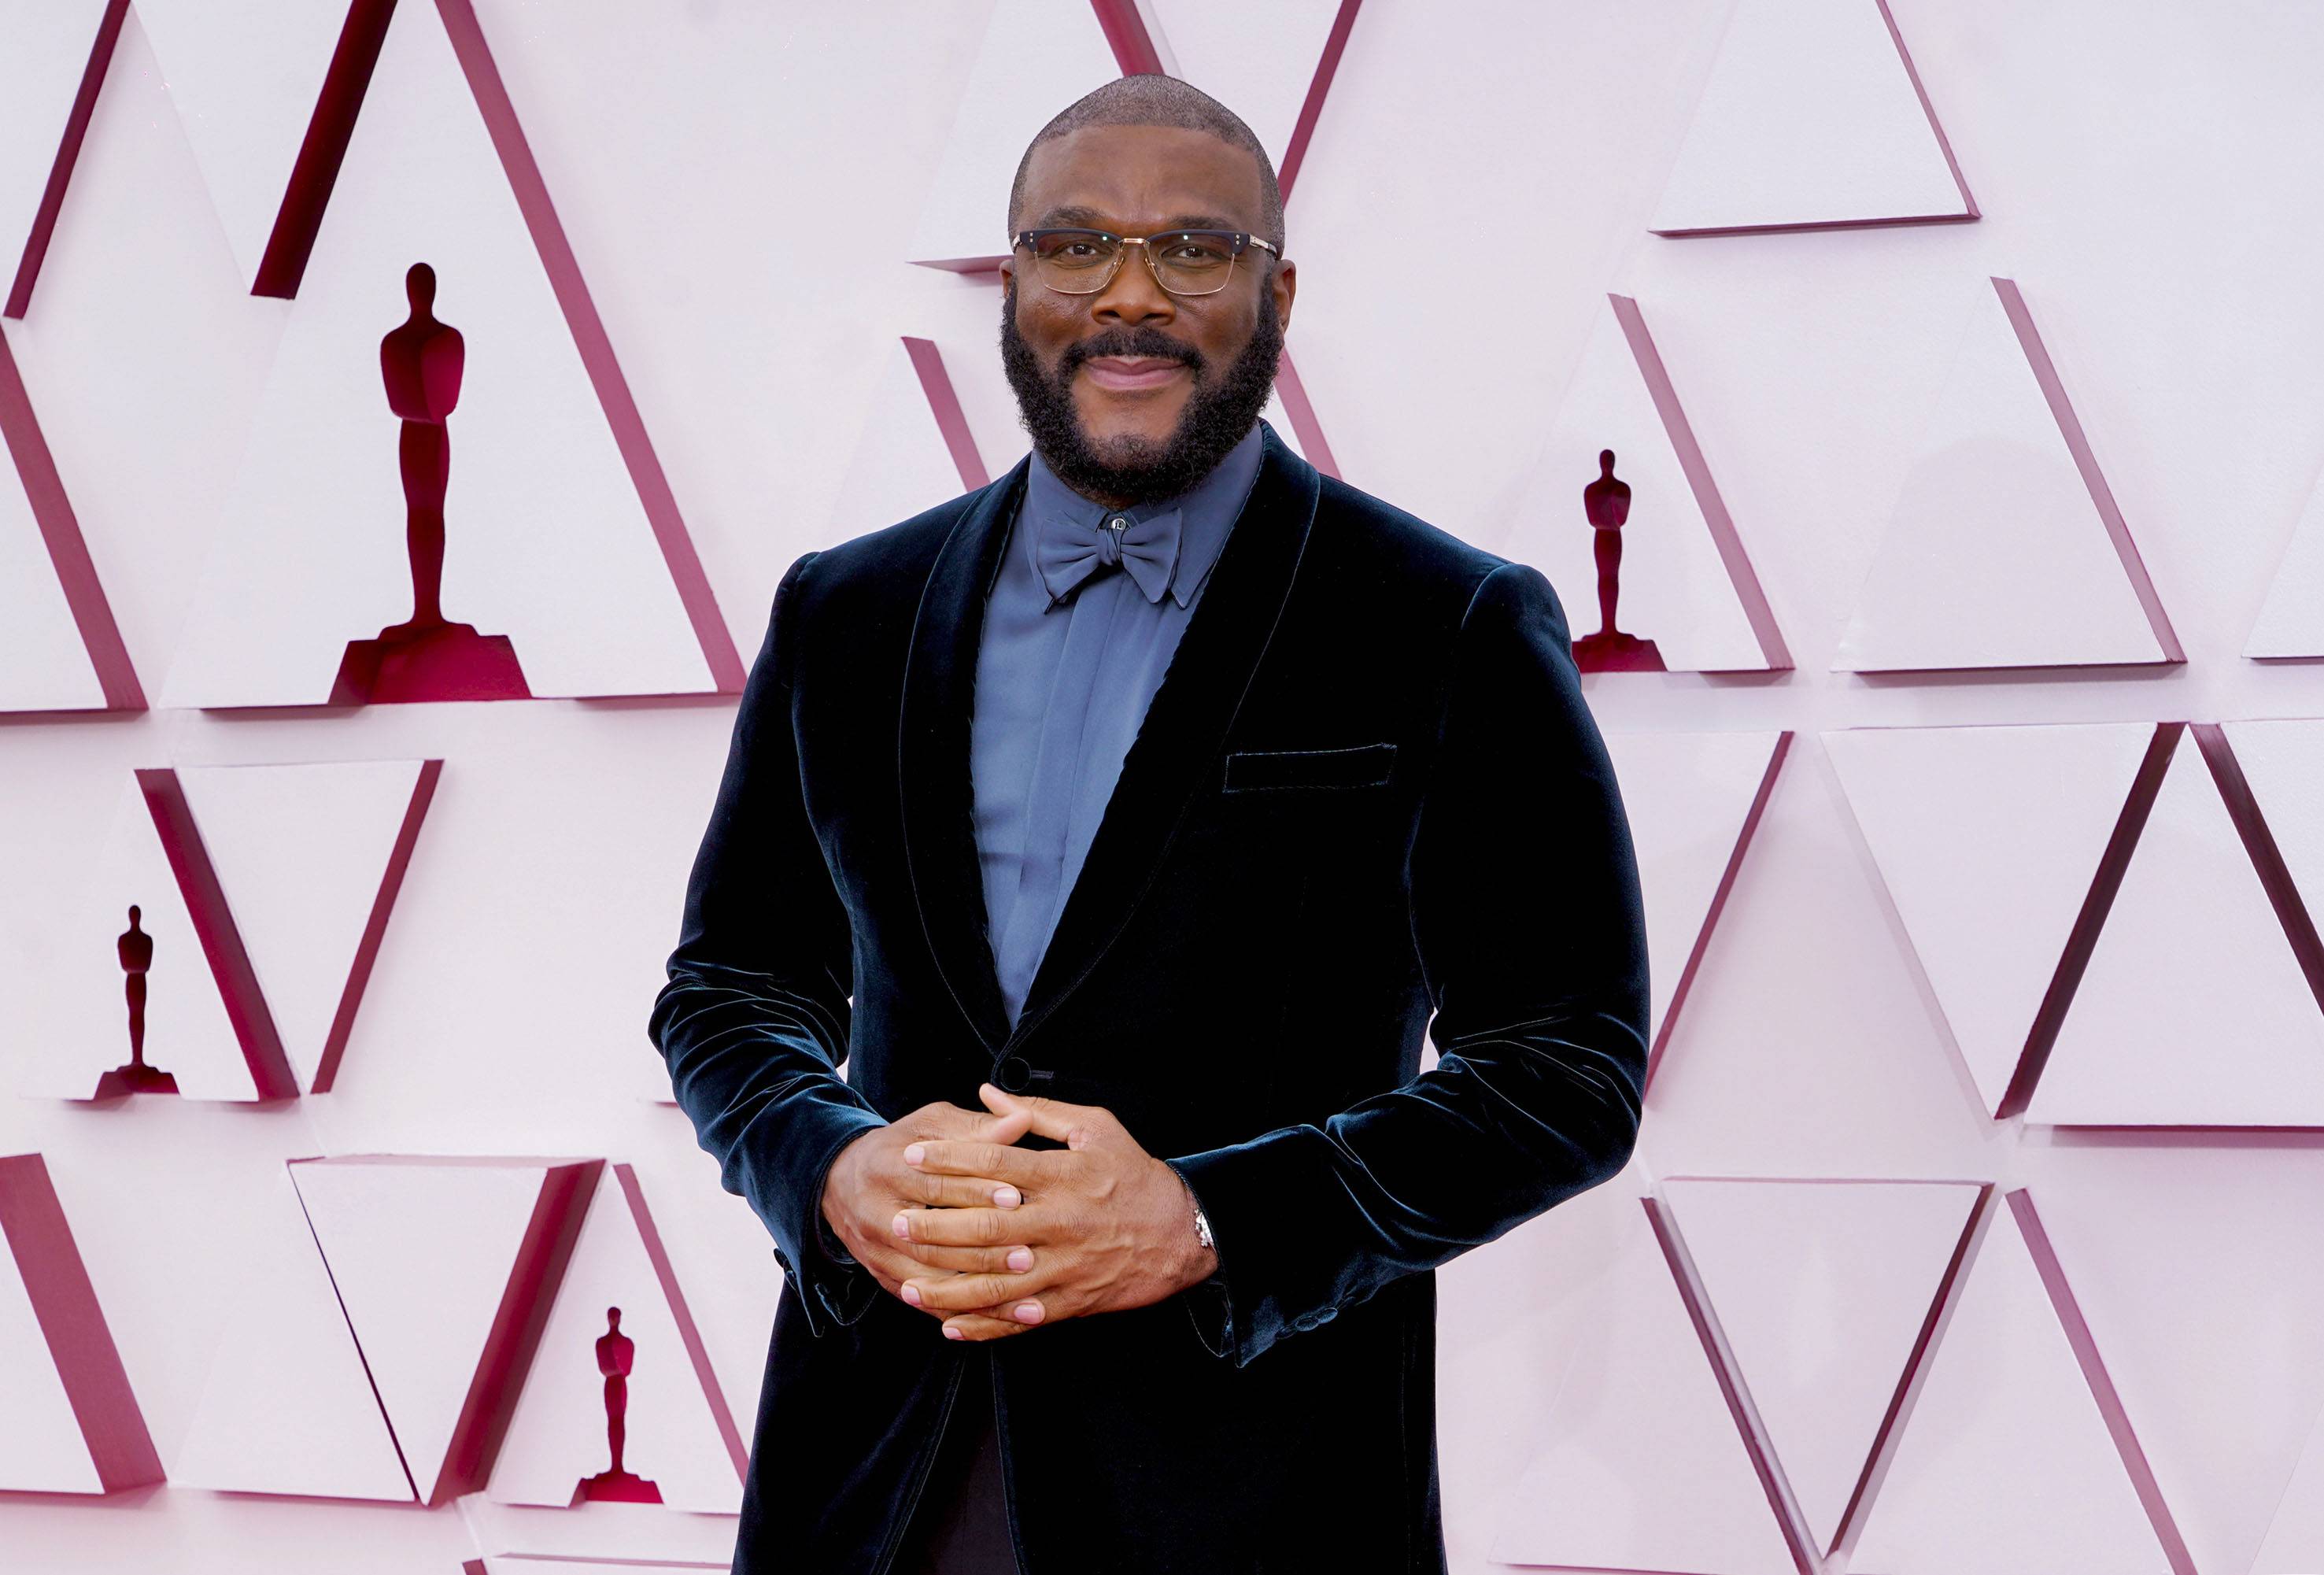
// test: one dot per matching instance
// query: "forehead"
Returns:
(1140, 175)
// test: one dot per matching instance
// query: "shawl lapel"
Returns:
(1178, 747)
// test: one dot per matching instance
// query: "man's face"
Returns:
(1208, 361)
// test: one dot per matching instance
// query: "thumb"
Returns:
(1006, 1126)
(1066, 1122)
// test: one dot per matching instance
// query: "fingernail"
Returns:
(1006, 1197)
(1021, 1258)
(1028, 1311)
(914, 1153)
(911, 1293)
(952, 1333)
(903, 1227)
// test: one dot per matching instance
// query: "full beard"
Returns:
(1218, 414)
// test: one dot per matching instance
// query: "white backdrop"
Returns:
(2098, 1339)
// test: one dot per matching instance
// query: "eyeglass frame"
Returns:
(1243, 239)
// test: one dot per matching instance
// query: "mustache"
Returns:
(1132, 344)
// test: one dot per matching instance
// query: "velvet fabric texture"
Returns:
(1368, 803)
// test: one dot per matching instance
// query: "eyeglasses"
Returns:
(1185, 261)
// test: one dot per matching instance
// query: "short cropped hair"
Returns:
(1149, 98)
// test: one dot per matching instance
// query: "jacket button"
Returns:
(1013, 1074)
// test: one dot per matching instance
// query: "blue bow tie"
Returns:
(1067, 552)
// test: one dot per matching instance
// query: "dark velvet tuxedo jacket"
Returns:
(1367, 791)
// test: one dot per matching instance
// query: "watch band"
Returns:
(1203, 1228)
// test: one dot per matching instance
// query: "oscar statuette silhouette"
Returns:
(616, 1352)
(425, 658)
(1607, 503)
(136, 948)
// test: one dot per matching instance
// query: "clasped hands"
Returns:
(994, 1239)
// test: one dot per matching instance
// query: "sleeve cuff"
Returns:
(833, 1287)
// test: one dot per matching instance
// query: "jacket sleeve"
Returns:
(1528, 919)
(754, 1019)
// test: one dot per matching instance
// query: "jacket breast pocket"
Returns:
(1264, 771)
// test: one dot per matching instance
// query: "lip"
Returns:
(1131, 373)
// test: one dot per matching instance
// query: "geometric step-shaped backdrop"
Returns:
(206, 1032)
(1642, 1464)
(2015, 1454)
(2004, 547)
(1682, 586)
(69, 1423)
(1692, 800)
(678, 1433)
(1038, 56)
(61, 649)
(2199, 1004)
(560, 536)
(1987, 842)
(1826, 1291)
(1814, 118)
(310, 857)
(446, 1267)
(287, 1407)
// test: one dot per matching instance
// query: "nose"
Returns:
(1133, 295)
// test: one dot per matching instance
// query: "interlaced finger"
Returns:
(967, 1157)
(960, 1192)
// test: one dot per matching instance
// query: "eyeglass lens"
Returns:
(1188, 262)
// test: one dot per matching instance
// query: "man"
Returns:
(1149, 800)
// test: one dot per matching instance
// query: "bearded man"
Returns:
(1124, 826)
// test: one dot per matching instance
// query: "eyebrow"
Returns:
(1093, 217)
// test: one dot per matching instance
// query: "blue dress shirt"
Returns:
(1062, 686)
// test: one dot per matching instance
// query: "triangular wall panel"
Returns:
(1814, 117)
(1692, 800)
(2195, 1008)
(287, 1407)
(2292, 620)
(206, 1023)
(2294, 1545)
(1272, 63)
(678, 1433)
(1825, 1291)
(60, 647)
(2200, 1269)
(2015, 1454)
(52, 66)
(1686, 587)
(310, 858)
(1642, 1467)
(69, 1421)
(2004, 547)
(245, 79)
(446, 1267)
(1988, 841)
(559, 534)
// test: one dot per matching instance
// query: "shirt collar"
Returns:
(1207, 512)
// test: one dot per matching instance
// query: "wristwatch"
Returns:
(1203, 1228)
